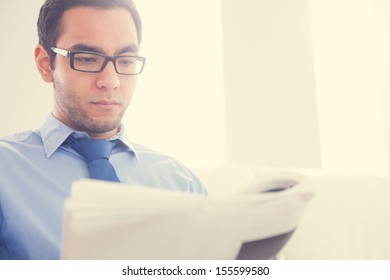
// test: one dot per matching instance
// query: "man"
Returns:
(89, 51)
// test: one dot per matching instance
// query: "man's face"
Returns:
(94, 102)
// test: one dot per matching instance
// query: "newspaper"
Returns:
(105, 220)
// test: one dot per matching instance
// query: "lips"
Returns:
(105, 104)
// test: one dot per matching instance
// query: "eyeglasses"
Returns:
(92, 62)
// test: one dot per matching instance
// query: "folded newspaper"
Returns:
(105, 220)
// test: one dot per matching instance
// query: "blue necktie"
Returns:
(97, 153)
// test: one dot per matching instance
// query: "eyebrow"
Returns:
(83, 47)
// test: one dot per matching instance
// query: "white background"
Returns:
(271, 83)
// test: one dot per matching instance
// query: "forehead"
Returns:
(106, 29)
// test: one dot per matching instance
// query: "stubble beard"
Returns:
(69, 105)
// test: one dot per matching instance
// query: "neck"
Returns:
(104, 135)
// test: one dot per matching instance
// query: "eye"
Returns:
(85, 60)
(126, 61)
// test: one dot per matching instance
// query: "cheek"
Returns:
(80, 85)
(74, 80)
(128, 87)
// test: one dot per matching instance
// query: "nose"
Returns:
(108, 78)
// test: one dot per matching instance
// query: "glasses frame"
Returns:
(107, 58)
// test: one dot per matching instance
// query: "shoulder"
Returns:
(17, 141)
(18, 137)
(150, 156)
(167, 166)
(15, 150)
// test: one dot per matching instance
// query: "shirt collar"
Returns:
(124, 141)
(54, 133)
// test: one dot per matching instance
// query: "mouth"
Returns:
(106, 104)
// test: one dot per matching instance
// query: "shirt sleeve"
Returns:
(198, 186)
(4, 253)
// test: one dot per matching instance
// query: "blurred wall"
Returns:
(269, 84)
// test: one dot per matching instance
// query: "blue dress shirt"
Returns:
(36, 173)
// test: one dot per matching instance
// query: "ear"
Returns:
(43, 63)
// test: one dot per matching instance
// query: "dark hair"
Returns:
(52, 11)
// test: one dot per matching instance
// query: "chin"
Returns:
(102, 126)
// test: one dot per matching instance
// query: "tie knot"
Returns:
(92, 149)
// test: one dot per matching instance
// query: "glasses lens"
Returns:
(87, 62)
(129, 65)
